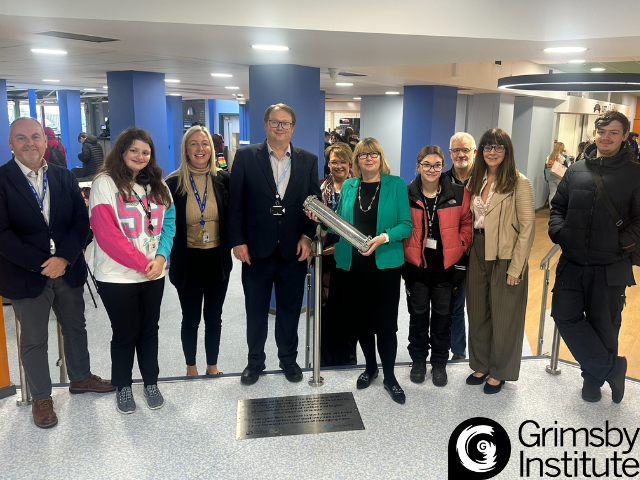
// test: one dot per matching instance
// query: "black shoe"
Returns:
(397, 394)
(491, 389)
(439, 376)
(590, 391)
(251, 374)
(364, 380)
(472, 380)
(617, 383)
(292, 371)
(418, 371)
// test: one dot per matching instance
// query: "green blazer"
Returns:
(394, 218)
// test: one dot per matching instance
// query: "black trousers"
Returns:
(588, 313)
(134, 311)
(427, 298)
(201, 286)
(258, 280)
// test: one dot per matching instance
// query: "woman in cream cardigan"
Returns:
(497, 276)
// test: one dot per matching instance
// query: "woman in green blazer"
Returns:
(377, 204)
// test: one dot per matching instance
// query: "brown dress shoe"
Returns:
(92, 383)
(43, 414)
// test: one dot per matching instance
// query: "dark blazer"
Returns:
(24, 235)
(178, 265)
(252, 193)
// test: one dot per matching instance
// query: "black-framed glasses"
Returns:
(371, 155)
(436, 168)
(456, 151)
(497, 148)
(276, 123)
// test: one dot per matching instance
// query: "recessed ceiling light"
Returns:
(576, 61)
(241, 94)
(357, 98)
(90, 89)
(598, 69)
(344, 84)
(48, 51)
(49, 80)
(105, 87)
(223, 75)
(273, 48)
(392, 93)
(232, 88)
(174, 94)
(565, 49)
(171, 80)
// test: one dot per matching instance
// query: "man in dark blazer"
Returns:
(271, 235)
(43, 228)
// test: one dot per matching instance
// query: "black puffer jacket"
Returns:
(91, 156)
(580, 222)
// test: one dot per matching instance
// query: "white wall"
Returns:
(490, 110)
(381, 118)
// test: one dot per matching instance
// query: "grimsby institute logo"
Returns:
(479, 448)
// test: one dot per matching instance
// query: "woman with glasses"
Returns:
(200, 259)
(497, 277)
(376, 203)
(434, 262)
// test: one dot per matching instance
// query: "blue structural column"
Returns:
(5, 151)
(70, 124)
(244, 122)
(175, 124)
(138, 99)
(428, 118)
(33, 108)
(323, 95)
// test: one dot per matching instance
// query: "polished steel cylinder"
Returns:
(307, 350)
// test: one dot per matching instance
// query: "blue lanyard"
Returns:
(333, 200)
(44, 191)
(202, 204)
(283, 173)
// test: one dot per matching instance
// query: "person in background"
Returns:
(633, 140)
(347, 137)
(557, 155)
(581, 148)
(219, 153)
(462, 150)
(498, 272)
(338, 346)
(335, 137)
(55, 152)
(91, 156)
(133, 220)
(200, 259)
(434, 262)
(86, 194)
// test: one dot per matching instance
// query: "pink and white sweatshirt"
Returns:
(120, 228)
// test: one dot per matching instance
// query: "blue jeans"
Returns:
(458, 333)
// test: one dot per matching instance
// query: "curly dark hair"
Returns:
(610, 116)
(115, 167)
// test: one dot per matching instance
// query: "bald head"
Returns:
(28, 142)
(21, 120)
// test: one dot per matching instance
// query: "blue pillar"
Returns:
(174, 130)
(5, 151)
(70, 124)
(321, 119)
(210, 115)
(428, 118)
(33, 109)
(294, 85)
(244, 123)
(138, 99)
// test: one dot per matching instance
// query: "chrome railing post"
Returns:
(307, 350)
(316, 380)
(543, 307)
(552, 368)
(25, 392)
(62, 361)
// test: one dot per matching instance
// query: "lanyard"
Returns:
(283, 173)
(147, 212)
(431, 215)
(333, 200)
(44, 191)
(203, 203)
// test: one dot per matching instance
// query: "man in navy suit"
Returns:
(271, 235)
(43, 228)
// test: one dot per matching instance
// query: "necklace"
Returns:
(372, 200)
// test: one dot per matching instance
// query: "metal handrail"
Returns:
(307, 349)
(545, 265)
(316, 380)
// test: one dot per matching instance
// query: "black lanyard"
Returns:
(431, 215)
(147, 212)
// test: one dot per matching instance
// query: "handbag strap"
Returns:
(605, 198)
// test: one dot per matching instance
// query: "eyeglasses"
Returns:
(456, 151)
(497, 148)
(338, 164)
(276, 123)
(371, 155)
(436, 168)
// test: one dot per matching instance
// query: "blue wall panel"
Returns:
(33, 108)
(5, 151)
(244, 122)
(70, 124)
(174, 130)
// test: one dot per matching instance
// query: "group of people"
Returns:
(465, 233)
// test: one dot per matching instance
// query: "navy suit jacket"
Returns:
(24, 235)
(252, 192)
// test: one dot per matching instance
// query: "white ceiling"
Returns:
(409, 43)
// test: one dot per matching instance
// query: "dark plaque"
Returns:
(297, 415)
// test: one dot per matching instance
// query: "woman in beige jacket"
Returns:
(497, 276)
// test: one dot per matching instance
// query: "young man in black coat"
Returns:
(43, 229)
(595, 266)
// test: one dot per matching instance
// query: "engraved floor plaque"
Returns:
(297, 415)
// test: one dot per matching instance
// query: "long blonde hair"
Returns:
(556, 154)
(183, 170)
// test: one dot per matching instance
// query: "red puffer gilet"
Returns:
(454, 217)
